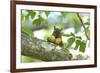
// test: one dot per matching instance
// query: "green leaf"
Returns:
(82, 46)
(64, 34)
(22, 17)
(43, 21)
(31, 13)
(47, 13)
(77, 42)
(27, 17)
(27, 31)
(72, 34)
(37, 22)
(26, 59)
(78, 37)
(87, 32)
(70, 42)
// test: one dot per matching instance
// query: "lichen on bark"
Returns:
(43, 50)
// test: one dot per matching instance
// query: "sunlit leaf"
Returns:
(26, 59)
(64, 34)
(87, 32)
(37, 22)
(43, 21)
(86, 19)
(70, 41)
(27, 31)
(27, 17)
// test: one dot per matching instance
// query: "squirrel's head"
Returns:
(57, 32)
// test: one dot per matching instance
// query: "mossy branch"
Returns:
(42, 50)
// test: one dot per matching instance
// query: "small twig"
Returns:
(83, 25)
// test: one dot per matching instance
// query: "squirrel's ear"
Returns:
(54, 27)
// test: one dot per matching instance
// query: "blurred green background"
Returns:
(75, 28)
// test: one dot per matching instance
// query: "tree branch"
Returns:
(42, 50)
(83, 25)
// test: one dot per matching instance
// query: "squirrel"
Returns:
(56, 37)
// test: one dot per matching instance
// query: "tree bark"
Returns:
(43, 50)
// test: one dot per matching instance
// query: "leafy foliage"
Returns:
(70, 42)
(30, 13)
(39, 21)
(47, 13)
(77, 40)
